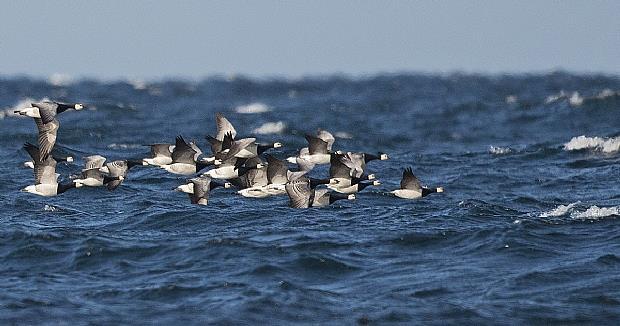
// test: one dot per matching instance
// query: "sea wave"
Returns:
(499, 150)
(252, 108)
(605, 145)
(591, 213)
(559, 211)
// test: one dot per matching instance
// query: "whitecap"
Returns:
(499, 150)
(50, 208)
(605, 145)
(343, 135)
(124, 146)
(270, 128)
(555, 97)
(605, 94)
(252, 108)
(60, 79)
(559, 211)
(595, 213)
(575, 99)
(511, 99)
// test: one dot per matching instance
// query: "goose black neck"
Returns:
(260, 149)
(64, 187)
(370, 157)
(63, 107)
(108, 179)
(362, 185)
(428, 191)
(215, 184)
(355, 180)
(201, 165)
(315, 182)
(132, 163)
(244, 169)
(334, 196)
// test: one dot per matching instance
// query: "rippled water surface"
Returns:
(526, 231)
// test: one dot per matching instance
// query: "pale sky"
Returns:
(154, 39)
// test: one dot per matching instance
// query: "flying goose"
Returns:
(46, 178)
(278, 174)
(301, 195)
(198, 189)
(410, 187)
(44, 114)
(68, 159)
(47, 110)
(161, 154)
(316, 150)
(359, 160)
(345, 172)
(354, 187)
(96, 178)
(184, 158)
(120, 168)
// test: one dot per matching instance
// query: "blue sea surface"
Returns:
(526, 232)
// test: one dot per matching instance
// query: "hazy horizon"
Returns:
(194, 40)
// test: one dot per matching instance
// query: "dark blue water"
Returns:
(526, 232)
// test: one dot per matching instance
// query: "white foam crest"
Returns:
(595, 213)
(124, 146)
(555, 97)
(605, 145)
(343, 135)
(270, 128)
(252, 108)
(499, 150)
(559, 211)
(575, 99)
(50, 208)
(60, 79)
(511, 99)
(606, 93)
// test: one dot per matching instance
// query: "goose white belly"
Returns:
(90, 182)
(158, 161)
(223, 172)
(180, 168)
(254, 192)
(407, 193)
(344, 190)
(317, 158)
(43, 189)
(275, 189)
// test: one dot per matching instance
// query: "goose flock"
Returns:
(234, 162)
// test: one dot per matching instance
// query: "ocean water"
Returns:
(527, 231)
